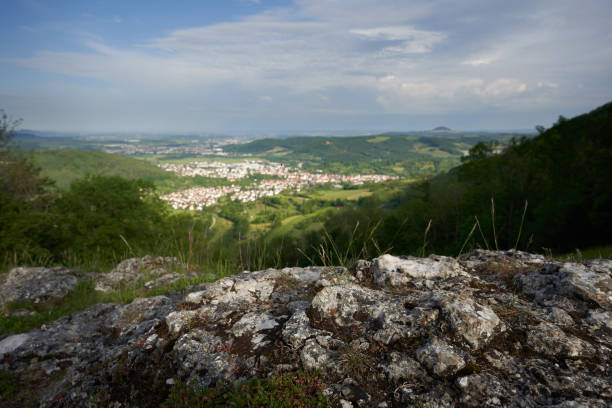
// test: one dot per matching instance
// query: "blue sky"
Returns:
(303, 65)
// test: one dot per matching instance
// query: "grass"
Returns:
(299, 389)
(378, 139)
(351, 195)
(579, 255)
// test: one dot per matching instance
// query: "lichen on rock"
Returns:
(494, 329)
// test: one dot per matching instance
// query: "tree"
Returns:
(7, 129)
(103, 212)
(24, 201)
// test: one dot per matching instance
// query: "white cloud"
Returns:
(545, 84)
(503, 87)
(475, 62)
(411, 40)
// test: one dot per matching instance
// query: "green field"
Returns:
(341, 194)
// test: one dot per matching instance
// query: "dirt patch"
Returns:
(344, 333)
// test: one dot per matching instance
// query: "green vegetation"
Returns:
(281, 391)
(395, 154)
(8, 386)
(66, 166)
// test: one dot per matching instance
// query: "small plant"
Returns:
(286, 283)
(8, 386)
(299, 389)
(422, 252)
(358, 364)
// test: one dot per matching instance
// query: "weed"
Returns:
(422, 252)
(300, 389)
(521, 227)
(493, 223)
(7, 386)
(358, 364)
(286, 283)
(467, 239)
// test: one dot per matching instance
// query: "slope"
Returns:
(65, 166)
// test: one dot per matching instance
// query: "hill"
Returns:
(65, 166)
(390, 153)
(549, 193)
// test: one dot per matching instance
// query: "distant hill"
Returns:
(441, 129)
(65, 166)
(391, 153)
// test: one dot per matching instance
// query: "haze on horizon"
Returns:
(304, 65)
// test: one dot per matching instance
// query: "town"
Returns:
(284, 178)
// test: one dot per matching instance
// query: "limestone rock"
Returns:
(133, 270)
(549, 339)
(342, 302)
(298, 329)
(316, 357)
(474, 322)
(439, 357)
(203, 358)
(426, 332)
(588, 282)
(396, 322)
(515, 258)
(37, 285)
(481, 390)
(391, 271)
(401, 367)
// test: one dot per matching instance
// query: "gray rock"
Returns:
(439, 358)
(132, 271)
(486, 346)
(203, 358)
(515, 258)
(391, 271)
(559, 316)
(316, 357)
(474, 322)
(576, 282)
(341, 302)
(400, 367)
(37, 285)
(600, 320)
(298, 329)
(12, 343)
(481, 390)
(550, 340)
(396, 322)
(165, 280)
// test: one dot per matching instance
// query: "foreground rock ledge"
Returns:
(493, 329)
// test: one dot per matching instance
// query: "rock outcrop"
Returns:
(134, 270)
(37, 285)
(493, 329)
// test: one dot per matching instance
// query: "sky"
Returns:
(302, 65)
